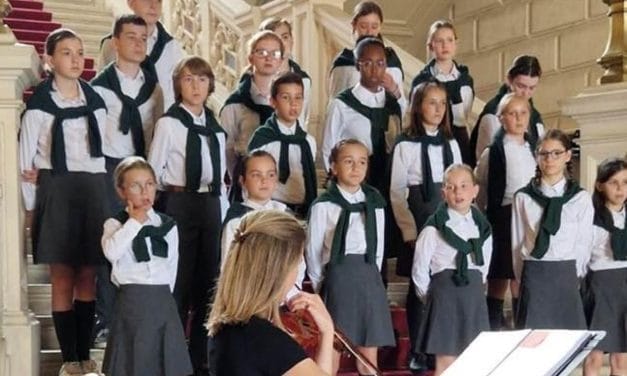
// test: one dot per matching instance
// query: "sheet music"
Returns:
(542, 353)
(486, 352)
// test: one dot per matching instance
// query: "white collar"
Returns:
(271, 204)
(363, 94)
(353, 198)
(82, 100)
(456, 217)
(556, 189)
(123, 76)
(285, 129)
(198, 120)
(436, 72)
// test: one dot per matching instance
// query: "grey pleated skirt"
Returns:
(353, 293)
(146, 337)
(549, 296)
(454, 315)
(70, 210)
(605, 302)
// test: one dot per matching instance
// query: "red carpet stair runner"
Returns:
(31, 24)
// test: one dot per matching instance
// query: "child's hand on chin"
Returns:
(137, 213)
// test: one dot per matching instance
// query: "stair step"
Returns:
(16, 23)
(98, 19)
(30, 35)
(30, 14)
(47, 333)
(27, 4)
(79, 8)
(39, 46)
(39, 298)
(50, 361)
(40, 273)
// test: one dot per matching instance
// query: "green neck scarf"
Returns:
(618, 237)
(270, 132)
(472, 246)
(156, 235)
(373, 201)
(241, 95)
(551, 217)
(130, 118)
(427, 188)
(193, 159)
(163, 38)
(42, 100)
(379, 122)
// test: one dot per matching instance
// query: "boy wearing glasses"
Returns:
(284, 138)
(249, 105)
(134, 103)
(188, 156)
(366, 112)
(142, 246)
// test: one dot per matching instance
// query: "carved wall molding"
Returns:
(187, 25)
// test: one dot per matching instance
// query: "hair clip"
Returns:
(239, 236)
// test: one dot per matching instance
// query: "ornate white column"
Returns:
(19, 330)
(601, 112)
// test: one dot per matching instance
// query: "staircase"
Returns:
(31, 21)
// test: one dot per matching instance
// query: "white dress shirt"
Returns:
(488, 126)
(171, 55)
(520, 168)
(167, 155)
(240, 122)
(407, 171)
(602, 255)
(228, 228)
(36, 141)
(293, 191)
(344, 77)
(433, 254)
(344, 122)
(117, 244)
(322, 225)
(460, 111)
(228, 233)
(116, 144)
(573, 241)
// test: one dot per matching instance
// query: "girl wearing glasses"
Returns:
(442, 43)
(522, 79)
(142, 246)
(551, 240)
(367, 22)
(249, 105)
(366, 112)
(283, 29)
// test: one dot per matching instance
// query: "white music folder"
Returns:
(525, 353)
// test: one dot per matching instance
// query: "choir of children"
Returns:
(77, 143)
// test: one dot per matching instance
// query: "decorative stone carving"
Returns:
(614, 58)
(223, 54)
(187, 25)
(5, 9)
